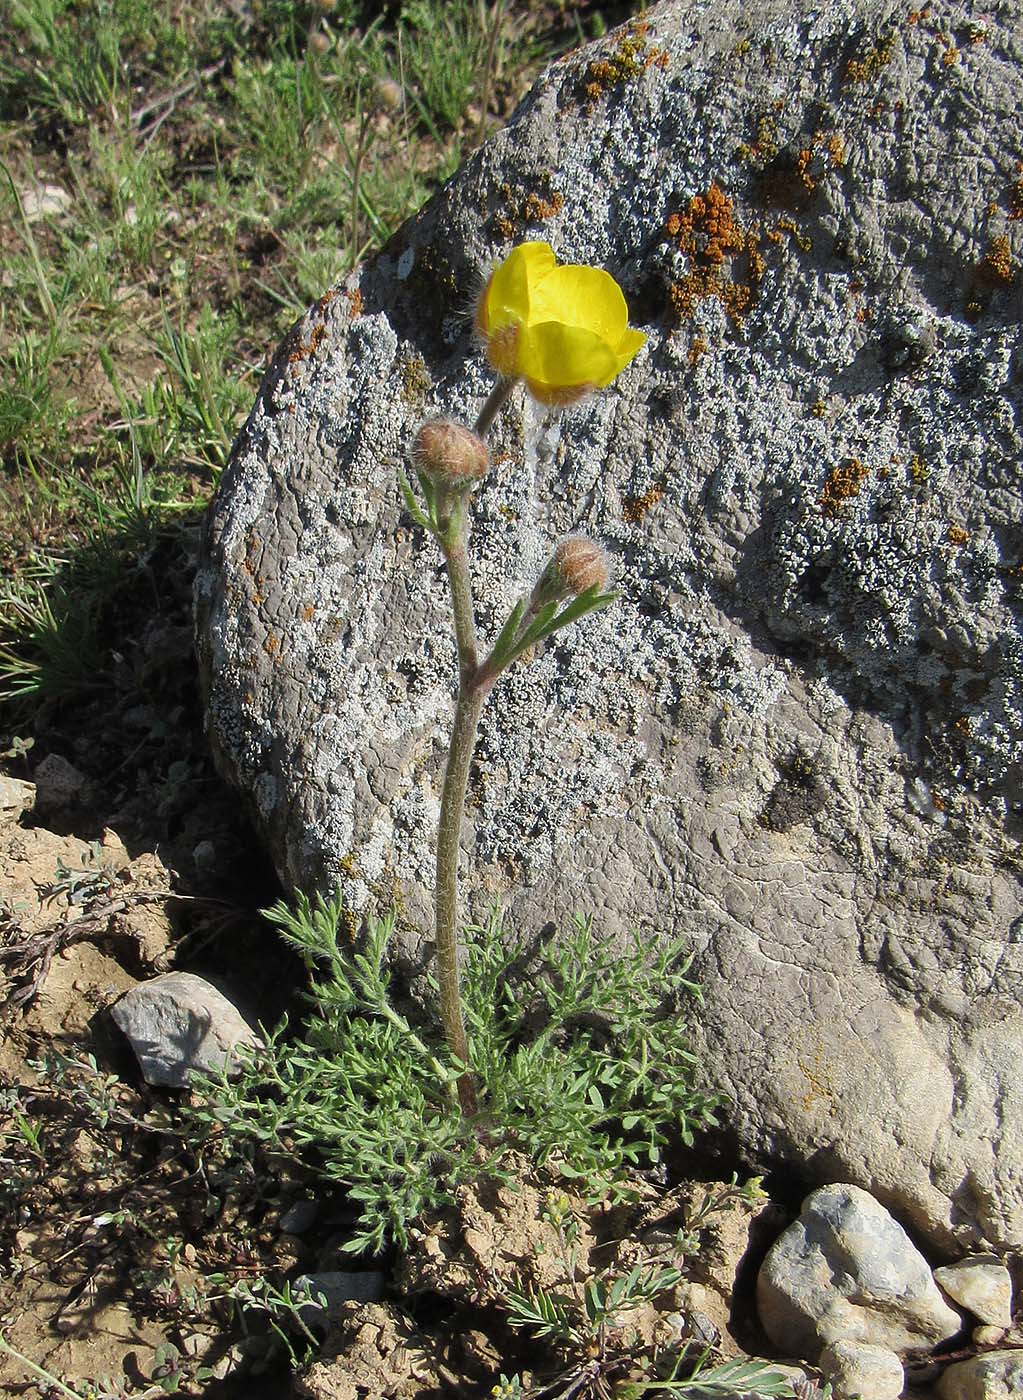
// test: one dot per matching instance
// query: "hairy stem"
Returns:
(496, 401)
(449, 840)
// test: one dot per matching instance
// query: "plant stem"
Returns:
(449, 839)
(474, 685)
(496, 401)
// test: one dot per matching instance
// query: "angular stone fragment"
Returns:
(860, 1372)
(179, 1023)
(982, 1284)
(797, 738)
(845, 1271)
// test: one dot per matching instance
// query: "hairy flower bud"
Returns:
(450, 453)
(580, 564)
(576, 566)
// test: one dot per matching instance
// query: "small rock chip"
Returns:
(996, 1376)
(15, 797)
(858, 1372)
(847, 1271)
(59, 784)
(179, 1024)
(982, 1284)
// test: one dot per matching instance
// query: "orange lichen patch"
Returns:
(634, 508)
(918, 16)
(709, 235)
(697, 350)
(825, 153)
(272, 645)
(308, 612)
(949, 55)
(312, 345)
(355, 302)
(873, 61)
(996, 265)
(632, 55)
(957, 535)
(841, 484)
(535, 208)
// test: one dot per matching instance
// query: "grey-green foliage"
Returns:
(580, 1058)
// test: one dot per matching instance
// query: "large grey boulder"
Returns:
(798, 737)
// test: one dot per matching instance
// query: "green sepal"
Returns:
(411, 504)
(501, 652)
(548, 620)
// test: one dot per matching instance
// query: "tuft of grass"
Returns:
(579, 1054)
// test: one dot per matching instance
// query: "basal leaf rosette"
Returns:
(563, 328)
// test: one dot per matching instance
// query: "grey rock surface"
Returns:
(845, 1271)
(178, 1024)
(859, 1372)
(982, 1284)
(798, 737)
(997, 1376)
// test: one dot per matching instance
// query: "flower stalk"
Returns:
(560, 356)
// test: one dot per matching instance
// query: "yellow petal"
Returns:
(506, 301)
(627, 349)
(558, 356)
(586, 297)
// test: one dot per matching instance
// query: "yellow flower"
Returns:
(564, 330)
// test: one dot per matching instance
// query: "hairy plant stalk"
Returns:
(496, 400)
(449, 840)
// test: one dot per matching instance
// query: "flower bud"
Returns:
(320, 43)
(450, 453)
(576, 565)
(580, 564)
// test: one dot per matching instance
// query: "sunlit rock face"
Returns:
(798, 736)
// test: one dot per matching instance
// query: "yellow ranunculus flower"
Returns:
(563, 329)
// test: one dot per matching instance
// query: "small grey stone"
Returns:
(204, 854)
(42, 201)
(337, 1287)
(59, 784)
(982, 1284)
(997, 1376)
(859, 1372)
(178, 1024)
(299, 1216)
(846, 1271)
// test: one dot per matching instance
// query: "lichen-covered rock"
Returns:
(798, 737)
(845, 1271)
